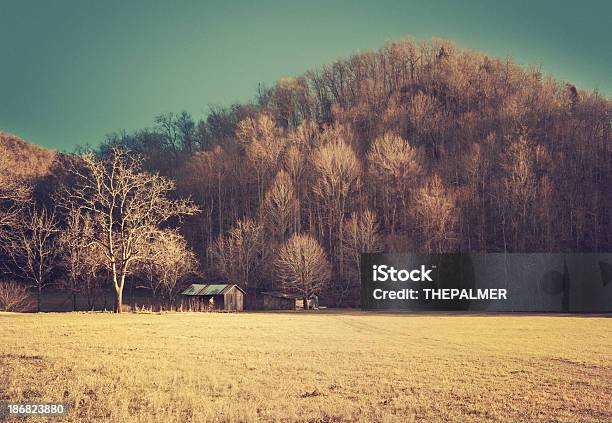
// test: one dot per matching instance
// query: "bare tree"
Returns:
(264, 146)
(14, 196)
(187, 130)
(362, 235)
(338, 172)
(125, 206)
(92, 282)
(394, 167)
(303, 141)
(168, 263)
(280, 206)
(437, 217)
(423, 111)
(302, 267)
(82, 258)
(238, 255)
(291, 100)
(519, 190)
(34, 249)
(168, 125)
(14, 296)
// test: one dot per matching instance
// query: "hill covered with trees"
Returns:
(19, 158)
(416, 147)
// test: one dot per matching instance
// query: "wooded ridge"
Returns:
(416, 147)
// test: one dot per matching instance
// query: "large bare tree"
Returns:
(302, 267)
(125, 205)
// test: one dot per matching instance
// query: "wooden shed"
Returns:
(272, 300)
(269, 301)
(222, 297)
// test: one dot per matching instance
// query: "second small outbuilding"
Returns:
(273, 300)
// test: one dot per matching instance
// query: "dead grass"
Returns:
(313, 367)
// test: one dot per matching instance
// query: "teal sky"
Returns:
(73, 71)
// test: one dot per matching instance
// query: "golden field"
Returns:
(310, 366)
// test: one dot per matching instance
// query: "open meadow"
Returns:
(310, 366)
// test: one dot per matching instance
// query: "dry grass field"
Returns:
(313, 367)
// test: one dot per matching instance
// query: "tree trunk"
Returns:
(305, 303)
(133, 293)
(119, 300)
(38, 299)
(73, 288)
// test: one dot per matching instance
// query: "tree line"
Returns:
(417, 147)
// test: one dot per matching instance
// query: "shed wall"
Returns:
(234, 300)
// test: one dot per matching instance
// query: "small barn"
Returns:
(220, 297)
(272, 300)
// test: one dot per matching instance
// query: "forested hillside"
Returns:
(415, 147)
(19, 158)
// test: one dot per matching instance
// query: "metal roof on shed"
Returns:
(209, 289)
